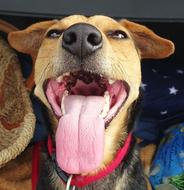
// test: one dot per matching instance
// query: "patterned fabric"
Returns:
(17, 121)
(12, 110)
(163, 107)
(169, 159)
(163, 98)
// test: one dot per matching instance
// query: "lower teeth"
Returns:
(106, 106)
(65, 94)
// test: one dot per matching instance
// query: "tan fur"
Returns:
(36, 32)
(150, 45)
(148, 184)
(146, 155)
(118, 59)
(7, 27)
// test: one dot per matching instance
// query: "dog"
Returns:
(87, 74)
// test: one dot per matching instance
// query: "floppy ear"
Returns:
(29, 40)
(149, 44)
(7, 27)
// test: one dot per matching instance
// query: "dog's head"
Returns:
(87, 73)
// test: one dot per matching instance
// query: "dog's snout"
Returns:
(82, 40)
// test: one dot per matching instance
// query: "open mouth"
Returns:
(114, 92)
(84, 104)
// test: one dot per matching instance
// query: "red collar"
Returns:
(81, 181)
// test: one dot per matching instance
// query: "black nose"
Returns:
(82, 40)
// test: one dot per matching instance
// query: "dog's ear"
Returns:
(29, 40)
(149, 44)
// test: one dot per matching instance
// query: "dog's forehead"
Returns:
(99, 21)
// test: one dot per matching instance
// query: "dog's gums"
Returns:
(87, 102)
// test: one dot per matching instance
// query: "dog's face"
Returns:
(87, 72)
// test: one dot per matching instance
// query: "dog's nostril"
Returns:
(94, 39)
(70, 38)
(81, 40)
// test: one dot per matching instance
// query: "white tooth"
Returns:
(111, 81)
(59, 79)
(106, 106)
(65, 93)
(66, 74)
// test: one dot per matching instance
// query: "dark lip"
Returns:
(44, 86)
(127, 87)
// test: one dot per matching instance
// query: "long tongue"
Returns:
(80, 134)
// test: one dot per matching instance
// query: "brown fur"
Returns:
(146, 155)
(16, 175)
(118, 59)
(6, 27)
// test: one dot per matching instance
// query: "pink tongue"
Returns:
(80, 134)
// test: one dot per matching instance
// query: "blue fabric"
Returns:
(42, 120)
(169, 159)
(146, 129)
(26, 64)
(163, 98)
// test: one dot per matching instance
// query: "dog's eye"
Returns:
(118, 34)
(54, 33)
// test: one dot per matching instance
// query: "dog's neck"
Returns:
(120, 178)
(81, 181)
